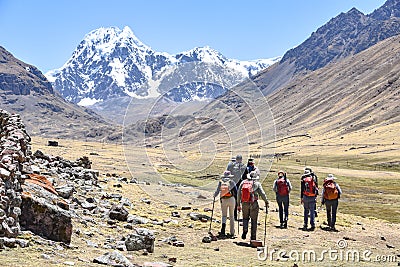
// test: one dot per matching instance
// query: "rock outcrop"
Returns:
(21, 79)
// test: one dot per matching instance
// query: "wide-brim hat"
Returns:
(253, 175)
(330, 177)
(227, 174)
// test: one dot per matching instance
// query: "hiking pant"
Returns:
(235, 211)
(283, 204)
(228, 203)
(250, 211)
(331, 209)
(309, 204)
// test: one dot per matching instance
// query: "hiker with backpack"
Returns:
(282, 188)
(251, 167)
(231, 163)
(227, 190)
(238, 170)
(315, 177)
(308, 195)
(247, 201)
(331, 193)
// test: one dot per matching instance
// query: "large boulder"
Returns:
(42, 214)
(141, 239)
(118, 212)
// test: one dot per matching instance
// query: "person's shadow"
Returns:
(242, 244)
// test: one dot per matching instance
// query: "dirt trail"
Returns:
(350, 172)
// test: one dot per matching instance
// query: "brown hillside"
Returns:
(359, 92)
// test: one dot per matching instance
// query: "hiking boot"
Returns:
(325, 228)
(230, 236)
(312, 228)
(222, 233)
(281, 225)
(285, 225)
(333, 229)
(244, 235)
(304, 228)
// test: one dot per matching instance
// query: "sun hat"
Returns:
(330, 177)
(227, 174)
(306, 173)
(253, 175)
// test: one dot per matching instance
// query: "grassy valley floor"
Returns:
(368, 219)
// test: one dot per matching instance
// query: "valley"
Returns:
(144, 136)
(360, 224)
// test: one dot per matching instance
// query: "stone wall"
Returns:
(15, 152)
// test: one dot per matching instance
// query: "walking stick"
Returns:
(212, 213)
(265, 228)
(238, 219)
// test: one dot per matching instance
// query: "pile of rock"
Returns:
(28, 198)
(14, 153)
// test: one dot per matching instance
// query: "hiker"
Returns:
(231, 163)
(227, 190)
(314, 176)
(282, 188)
(331, 193)
(247, 201)
(237, 170)
(308, 195)
(251, 167)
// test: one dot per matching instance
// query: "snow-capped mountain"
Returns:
(111, 62)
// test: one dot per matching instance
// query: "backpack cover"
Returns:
(247, 191)
(283, 187)
(310, 187)
(330, 190)
(225, 192)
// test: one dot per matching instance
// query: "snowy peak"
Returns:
(110, 63)
(204, 54)
(107, 39)
(104, 42)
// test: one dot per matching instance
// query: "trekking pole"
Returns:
(265, 228)
(238, 219)
(212, 213)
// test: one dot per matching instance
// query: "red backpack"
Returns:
(225, 192)
(247, 191)
(309, 187)
(283, 187)
(330, 190)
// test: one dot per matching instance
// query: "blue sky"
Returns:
(46, 32)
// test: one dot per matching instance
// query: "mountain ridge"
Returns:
(110, 63)
(345, 35)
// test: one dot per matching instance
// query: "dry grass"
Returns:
(110, 159)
